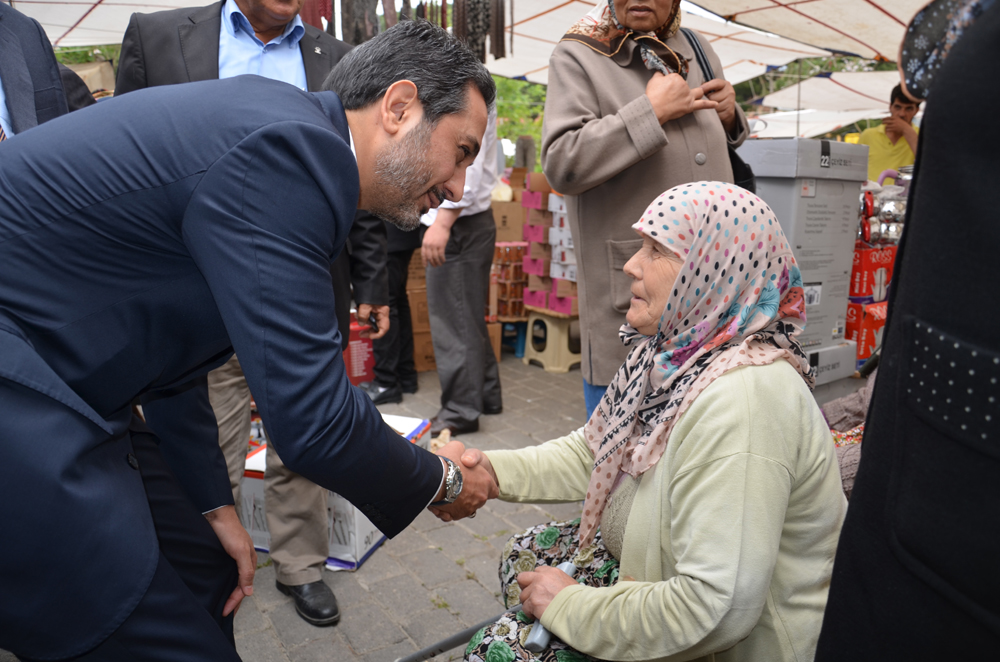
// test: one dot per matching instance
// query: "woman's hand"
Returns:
(724, 95)
(478, 486)
(538, 588)
(473, 457)
(672, 98)
(237, 543)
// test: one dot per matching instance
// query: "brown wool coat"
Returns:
(603, 148)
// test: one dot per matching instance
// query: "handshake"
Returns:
(479, 482)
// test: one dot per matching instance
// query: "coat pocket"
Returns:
(944, 497)
(620, 252)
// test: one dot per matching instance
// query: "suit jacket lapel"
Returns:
(318, 60)
(199, 36)
(17, 85)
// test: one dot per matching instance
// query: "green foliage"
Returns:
(80, 55)
(520, 108)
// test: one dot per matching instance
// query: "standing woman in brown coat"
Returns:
(628, 115)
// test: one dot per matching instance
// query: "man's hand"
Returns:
(237, 543)
(672, 98)
(538, 588)
(722, 92)
(435, 241)
(477, 487)
(381, 313)
(901, 129)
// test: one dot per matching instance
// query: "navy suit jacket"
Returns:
(141, 241)
(29, 72)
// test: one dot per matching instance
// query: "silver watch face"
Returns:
(454, 483)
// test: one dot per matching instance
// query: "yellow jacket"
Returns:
(730, 541)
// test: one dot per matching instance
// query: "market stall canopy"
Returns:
(538, 26)
(840, 91)
(808, 123)
(91, 22)
(869, 28)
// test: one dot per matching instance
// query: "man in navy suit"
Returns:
(31, 91)
(135, 258)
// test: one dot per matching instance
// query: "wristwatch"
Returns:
(452, 484)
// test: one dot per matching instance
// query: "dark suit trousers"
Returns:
(456, 301)
(180, 616)
(394, 351)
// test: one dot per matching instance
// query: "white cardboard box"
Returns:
(560, 237)
(557, 203)
(564, 271)
(353, 538)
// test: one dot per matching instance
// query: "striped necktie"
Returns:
(3, 135)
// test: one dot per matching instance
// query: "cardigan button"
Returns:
(700, 158)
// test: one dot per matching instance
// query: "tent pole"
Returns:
(798, 102)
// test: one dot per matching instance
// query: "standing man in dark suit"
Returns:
(136, 259)
(31, 91)
(266, 38)
(395, 372)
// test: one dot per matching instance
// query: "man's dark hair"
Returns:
(899, 95)
(440, 65)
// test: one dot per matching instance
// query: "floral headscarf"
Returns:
(930, 37)
(601, 30)
(736, 301)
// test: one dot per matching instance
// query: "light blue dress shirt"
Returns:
(4, 113)
(241, 52)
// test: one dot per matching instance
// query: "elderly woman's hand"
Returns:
(722, 92)
(671, 97)
(538, 588)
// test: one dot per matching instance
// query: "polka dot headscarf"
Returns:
(736, 301)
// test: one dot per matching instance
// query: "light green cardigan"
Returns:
(730, 541)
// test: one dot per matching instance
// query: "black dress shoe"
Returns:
(437, 427)
(493, 411)
(381, 395)
(409, 388)
(314, 602)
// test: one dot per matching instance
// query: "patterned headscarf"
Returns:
(601, 30)
(930, 37)
(736, 301)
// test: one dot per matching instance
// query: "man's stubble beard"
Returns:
(401, 177)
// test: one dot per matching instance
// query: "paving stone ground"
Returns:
(434, 579)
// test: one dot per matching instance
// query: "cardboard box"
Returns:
(353, 538)
(833, 363)
(535, 200)
(563, 255)
(540, 251)
(872, 272)
(495, 330)
(509, 252)
(537, 267)
(519, 178)
(563, 271)
(563, 288)
(536, 298)
(509, 218)
(416, 276)
(560, 221)
(515, 194)
(536, 233)
(419, 315)
(564, 305)
(538, 183)
(865, 323)
(557, 203)
(359, 357)
(560, 237)
(539, 282)
(423, 352)
(538, 217)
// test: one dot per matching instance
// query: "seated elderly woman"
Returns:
(712, 496)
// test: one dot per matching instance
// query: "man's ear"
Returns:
(400, 107)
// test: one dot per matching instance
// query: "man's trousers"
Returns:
(394, 351)
(296, 507)
(456, 301)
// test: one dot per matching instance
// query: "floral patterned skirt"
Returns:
(545, 544)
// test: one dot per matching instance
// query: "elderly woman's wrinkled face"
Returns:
(643, 15)
(653, 271)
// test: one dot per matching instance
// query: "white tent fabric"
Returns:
(538, 26)
(869, 28)
(809, 122)
(91, 22)
(840, 91)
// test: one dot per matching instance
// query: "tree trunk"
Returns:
(389, 11)
(360, 23)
